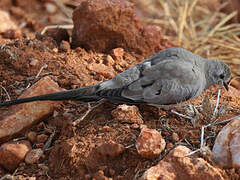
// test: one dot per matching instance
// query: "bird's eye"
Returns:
(221, 76)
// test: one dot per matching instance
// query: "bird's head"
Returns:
(218, 72)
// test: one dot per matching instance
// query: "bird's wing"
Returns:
(167, 82)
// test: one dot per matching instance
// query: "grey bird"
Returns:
(170, 76)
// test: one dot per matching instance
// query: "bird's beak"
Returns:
(225, 85)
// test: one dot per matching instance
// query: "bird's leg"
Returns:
(181, 115)
(215, 112)
(192, 111)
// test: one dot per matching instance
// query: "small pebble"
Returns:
(175, 137)
(169, 146)
(32, 136)
(64, 46)
(51, 8)
(134, 126)
(42, 138)
(33, 156)
(106, 128)
(33, 62)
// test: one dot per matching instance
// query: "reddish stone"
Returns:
(11, 34)
(118, 53)
(125, 113)
(64, 46)
(42, 138)
(12, 153)
(175, 137)
(19, 117)
(5, 22)
(178, 165)
(226, 149)
(33, 156)
(150, 143)
(32, 136)
(106, 71)
(104, 25)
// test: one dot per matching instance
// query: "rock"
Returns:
(103, 153)
(42, 138)
(11, 34)
(106, 71)
(169, 146)
(39, 145)
(106, 128)
(118, 53)
(17, 12)
(32, 136)
(109, 61)
(33, 61)
(33, 156)
(125, 113)
(12, 153)
(100, 175)
(175, 137)
(50, 7)
(150, 143)
(5, 22)
(226, 149)
(177, 165)
(104, 25)
(17, 118)
(134, 126)
(64, 46)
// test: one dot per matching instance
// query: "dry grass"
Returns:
(191, 25)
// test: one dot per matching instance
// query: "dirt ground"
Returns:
(72, 153)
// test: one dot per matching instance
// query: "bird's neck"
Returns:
(208, 66)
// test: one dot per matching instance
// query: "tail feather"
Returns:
(85, 94)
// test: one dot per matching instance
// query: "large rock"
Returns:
(178, 165)
(105, 25)
(17, 118)
(12, 153)
(226, 149)
(5, 22)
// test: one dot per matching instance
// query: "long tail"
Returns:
(85, 94)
